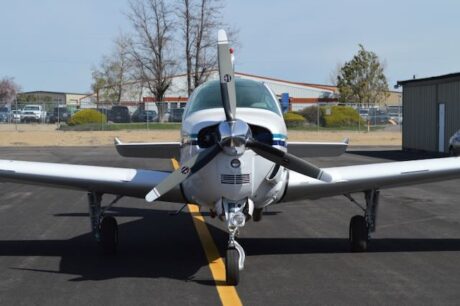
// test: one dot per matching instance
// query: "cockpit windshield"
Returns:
(249, 94)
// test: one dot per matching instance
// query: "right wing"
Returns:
(351, 179)
(109, 180)
(148, 150)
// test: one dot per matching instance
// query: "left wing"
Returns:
(110, 180)
(350, 179)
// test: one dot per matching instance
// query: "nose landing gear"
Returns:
(234, 212)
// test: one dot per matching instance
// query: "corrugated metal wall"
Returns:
(449, 94)
(419, 113)
(420, 101)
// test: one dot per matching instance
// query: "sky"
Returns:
(52, 45)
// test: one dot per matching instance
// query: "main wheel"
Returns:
(257, 214)
(232, 271)
(452, 152)
(109, 235)
(359, 234)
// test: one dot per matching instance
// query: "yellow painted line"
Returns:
(227, 294)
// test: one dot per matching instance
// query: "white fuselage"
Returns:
(256, 178)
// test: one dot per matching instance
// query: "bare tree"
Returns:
(334, 74)
(199, 21)
(8, 91)
(113, 72)
(152, 47)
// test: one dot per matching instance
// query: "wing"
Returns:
(317, 149)
(352, 179)
(119, 181)
(148, 150)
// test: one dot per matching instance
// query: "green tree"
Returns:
(362, 79)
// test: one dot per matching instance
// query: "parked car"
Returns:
(395, 113)
(364, 113)
(176, 115)
(33, 113)
(454, 144)
(59, 114)
(119, 114)
(15, 116)
(377, 117)
(4, 114)
(141, 115)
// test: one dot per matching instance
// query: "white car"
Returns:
(16, 115)
(454, 144)
(33, 112)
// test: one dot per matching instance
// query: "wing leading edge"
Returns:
(109, 180)
(360, 178)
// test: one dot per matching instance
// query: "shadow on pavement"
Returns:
(158, 245)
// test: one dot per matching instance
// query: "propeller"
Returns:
(287, 160)
(234, 136)
(226, 75)
(190, 167)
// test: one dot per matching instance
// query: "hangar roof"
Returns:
(434, 78)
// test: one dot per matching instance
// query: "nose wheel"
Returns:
(234, 212)
(232, 270)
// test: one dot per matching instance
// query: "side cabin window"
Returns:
(249, 94)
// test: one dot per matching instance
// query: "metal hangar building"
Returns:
(431, 112)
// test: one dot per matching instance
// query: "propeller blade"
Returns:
(190, 167)
(226, 76)
(288, 161)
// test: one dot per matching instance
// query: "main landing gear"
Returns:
(362, 226)
(235, 214)
(104, 228)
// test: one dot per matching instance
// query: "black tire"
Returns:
(232, 271)
(109, 235)
(359, 234)
(452, 152)
(257, 214)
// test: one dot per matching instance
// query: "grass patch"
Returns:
(121, 126)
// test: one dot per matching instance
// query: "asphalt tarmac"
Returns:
(297, 255)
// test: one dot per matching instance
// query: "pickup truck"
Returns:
(32, 112)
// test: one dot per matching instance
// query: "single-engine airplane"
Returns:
(234, 160)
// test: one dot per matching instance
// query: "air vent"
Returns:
(235, 179)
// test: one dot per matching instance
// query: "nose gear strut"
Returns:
(235, 215)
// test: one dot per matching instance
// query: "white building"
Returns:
(301, 95)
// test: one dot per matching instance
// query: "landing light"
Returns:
(235, 163)
(238, 219)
